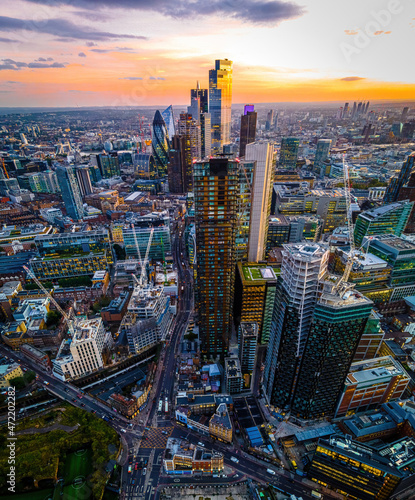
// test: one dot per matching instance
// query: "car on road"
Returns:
(144, 471)
(83, 404)
(201, 444)
(270, 471)
(234, 459)
(79, 396)
(129, 468)
(164, 432)
(133, 482)
(45, 382)
(74, 400)
(123, 430)
(136, 466)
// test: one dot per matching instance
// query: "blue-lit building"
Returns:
(396, 183)
(160, 143)
(168, 118)
(71, 192)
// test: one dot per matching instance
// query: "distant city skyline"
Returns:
(133, 53)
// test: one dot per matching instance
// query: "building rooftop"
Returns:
(374, 370)
(86, 329)
(393, 241)
(374, 213)
(252, 272)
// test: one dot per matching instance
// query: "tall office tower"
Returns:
(215, 194)
(248, 129)
(289, 152)
(339, 320)
(189, 129)
(108, 165)
(261, 192)
(346, 110)
(84, 180)
(168, 118)
(367, 107)
(160, 143)
(71, 194)
(354, 110)
(387, 219)
(359, 108)
(322, 153)
(194, 109)
(205, 135)
(220, 102)
(176, 168)
(303, 267)
(247, 346)
(270, 120)
(245, 181)
(404, 115)
(396, 183)
(203, 95)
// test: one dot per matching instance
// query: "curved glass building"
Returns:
(160, 143)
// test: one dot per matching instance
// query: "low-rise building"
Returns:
(116, 308)
(36, 355)
(9, 372)
(233, 375)
(129, 406)
(220, 425)
(181, 457)
(370, 383)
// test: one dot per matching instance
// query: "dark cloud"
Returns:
(42, 59)
(101, 51)
(16, 65)
(351, 79)
(116, 49)
(253, 11)
(82, 54)
(7, 40)
(131, 78)
(152, 78)
(64, 30)
(91, 44)
(160, 78)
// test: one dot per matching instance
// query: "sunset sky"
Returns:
(151, 52)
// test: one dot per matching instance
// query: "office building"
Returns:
(215, 195)
(357, 471)
(233, 375)
(303, 267)
(168, 118)
(108, 165)
(220, 425)
(288, 152)
(177, 166)
(371, 383)
(255, 286)
(189, 129)
(245, 183)
(278, 232)
(322, 153)
(269, 124)
(139, 229)
(203, 96)
(396, 183)
(145, 166)
(339, 320)
(399, 254)
(248, 128)
(387, 219)
(40, 182)
(71, 193)
(263, 154)
(84, 180)
(220, 102)
(371, 339)
(205, 135)
(247, 345)
(160, 144)
(81, 354)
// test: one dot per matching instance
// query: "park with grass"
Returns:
(59, 455)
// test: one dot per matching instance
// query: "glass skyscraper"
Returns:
(160, 142)
(220, 101)
(168, 118)
(71, 193)
(216, 195)
(189, 129)
(248, 129)
(289, 152)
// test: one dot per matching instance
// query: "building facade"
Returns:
(220, 102)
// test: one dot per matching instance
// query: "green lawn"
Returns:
(77, 464)
(33, 495)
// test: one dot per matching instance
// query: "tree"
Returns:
(53, 318)
(18, 383)
(119, 251)
(29, 376)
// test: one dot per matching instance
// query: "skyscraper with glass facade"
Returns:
(71, 193)
(160, 143)
(220, 101)
(396, 183)
(189, 129)
(289, 152)
(248, 129)
(215, 195)
(203, 96)
(168, 118)
(322, 153)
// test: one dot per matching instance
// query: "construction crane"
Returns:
(68, 320)
(143, 263)
(350, 227)
(5, 170)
